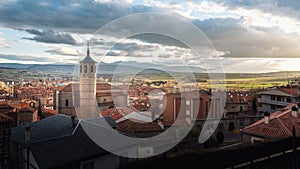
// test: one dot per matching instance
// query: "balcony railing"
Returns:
(273, 102)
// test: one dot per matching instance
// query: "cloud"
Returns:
(26, 58)
(63, 51)
(234, 39)
(237, 29)
(49, 36)
(77, 16)
(4, 43)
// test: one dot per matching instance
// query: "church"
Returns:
(87, 96)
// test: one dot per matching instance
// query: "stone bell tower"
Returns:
(88, 104)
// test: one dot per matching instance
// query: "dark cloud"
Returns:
(87, 16)
(49, 36)
(83, 16)
(159, 39)
(131, 49)
(229, 35)
(25, 58)
(113, 53)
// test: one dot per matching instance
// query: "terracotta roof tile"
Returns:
(49, 112)
(112, 112)
(66, 88)
(131, 126)
(280, 126)
(27, 109)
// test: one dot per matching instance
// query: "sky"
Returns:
(248, 36)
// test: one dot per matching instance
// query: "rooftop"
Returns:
(276, 92)
(55, 141)
(280, 125)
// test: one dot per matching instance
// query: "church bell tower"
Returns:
(87, 87)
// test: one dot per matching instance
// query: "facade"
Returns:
(236, 104)
(276, 99)
(196, 105)
(66, 101)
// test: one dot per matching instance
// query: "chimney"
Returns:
(295, 111)
(73, 121)
(267, 117)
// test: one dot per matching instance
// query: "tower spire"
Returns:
(88, 48)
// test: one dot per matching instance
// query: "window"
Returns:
(273, 107)
(188, 112)
(80, 69)
(242, 123)
(67, 102)
(279, 98)
(89, 165)
(85, 68)
(188, 102)
(289, 100)
(92, 68)
(273, 97)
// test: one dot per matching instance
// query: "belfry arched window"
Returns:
(80, 69)
(85, 68)
(92, 68)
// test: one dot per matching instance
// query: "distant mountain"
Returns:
(104, 68)
(131, 67)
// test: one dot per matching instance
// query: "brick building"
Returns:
(194, 106)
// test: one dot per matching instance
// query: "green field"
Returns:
(232, 81)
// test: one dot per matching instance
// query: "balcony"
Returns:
(273, 102)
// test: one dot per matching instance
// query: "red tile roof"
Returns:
(99, 87)
(103, 86)
(27, 109)
(135, 127)
(49, 112)
(112, 112)
(66, 88)
(293, 91)
(280, 126)
(236, 97)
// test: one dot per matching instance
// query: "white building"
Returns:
(275, 99)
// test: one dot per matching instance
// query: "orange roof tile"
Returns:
(130, 126)
(112, 112)
(53, 112)
(27, 109)
(293, 91)
(280, 125)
